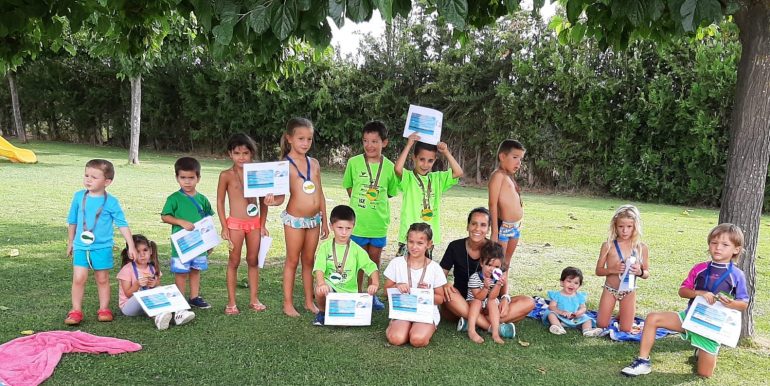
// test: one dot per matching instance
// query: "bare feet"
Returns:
(290, 311)
(312, 308)
(498, 339)
(475, 337)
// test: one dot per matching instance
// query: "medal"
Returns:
(371, 194)
(335, 278)
(87, 237)
(252, 210)
(308, 187)
(427, 214)
(497, 274)
(340, 267)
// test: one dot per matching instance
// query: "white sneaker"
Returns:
(557, 329)
(593, 332)
(638, 367)
(183, 317)
(162, 320)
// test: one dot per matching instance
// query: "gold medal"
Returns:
(427, 214)
(371, 194)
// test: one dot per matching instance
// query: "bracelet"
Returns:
(506, 297)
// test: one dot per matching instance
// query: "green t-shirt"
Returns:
(357, 260)
(411, 201)
(372, 216)
(179, 205)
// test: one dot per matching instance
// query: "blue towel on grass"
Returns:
(613, 331)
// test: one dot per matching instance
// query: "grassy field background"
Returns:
(267, 347)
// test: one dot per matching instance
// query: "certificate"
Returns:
(264, 246)
(425, 122)
(158, 300)
(191, 244)
(261, 179)
(348, 309)
(416, 306)
(713, 321)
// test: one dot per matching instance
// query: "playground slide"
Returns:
(15, 154)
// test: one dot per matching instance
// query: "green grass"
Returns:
(270, 348)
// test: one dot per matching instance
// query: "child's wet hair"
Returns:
(491, 251)
(376, 127)
(242, 139)
(626, 211)
(571, 272)
(187, 164)
(509, 144)
(342, 213)
(291, 126)
(733, 232)
(105, 166)
(141, 239)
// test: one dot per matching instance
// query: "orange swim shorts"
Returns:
(245, 225)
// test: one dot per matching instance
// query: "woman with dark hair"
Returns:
(462, 257)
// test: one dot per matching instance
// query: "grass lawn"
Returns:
(270, 348)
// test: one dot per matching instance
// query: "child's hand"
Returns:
(143, 281)
(710, 298)
(412, 138)
(322, 289)
(618, 269)
(494, 237)
(269, 200)
(448, 291)
(264, 232)
(578, 314)
(372, 289)
(153, 281)
(636, 269)
(69, 249)
(442, 148)
(324, 231)
(487, 282)
(132, 253)
(225, 234)
(724, 299)
(403, 287)
(188, 226)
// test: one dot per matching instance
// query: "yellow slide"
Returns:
(15, 154)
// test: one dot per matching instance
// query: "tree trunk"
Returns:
(136, 118)
(749, 152)
(20, 132)
(478, 167)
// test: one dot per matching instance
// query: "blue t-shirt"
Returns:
(103, 231)
(734, 284)
(568, 303)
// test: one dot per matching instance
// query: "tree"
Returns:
(615, 23)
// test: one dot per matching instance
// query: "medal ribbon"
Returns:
(425, 194)
(373, 183)
(409, 273)
(340, 267)
(719, 281)
(299, 173)
(98, 212)
(195, 202)
(136, 273)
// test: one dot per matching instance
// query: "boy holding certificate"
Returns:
(371, 182)
(338, 261)
(182, 209)
(717, 280)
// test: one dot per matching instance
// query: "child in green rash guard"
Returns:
(338, 260)
(422, 188)
(371, 181)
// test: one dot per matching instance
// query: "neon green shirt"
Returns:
(180, 206)
(411, 202)
(357, 260)
(372, 216)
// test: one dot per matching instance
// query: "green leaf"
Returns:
(359, 10)
(402, 8)
(259, 17)
(386, 9)
(203, 12)
(574, 9)
(337, 12)
(284, 19)
(223, 33)
(688, 14)
(709, 10)
(454, 11)
(577, 32)
(304, 5)
(513, 5)
(635, 12)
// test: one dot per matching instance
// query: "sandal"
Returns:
(258, 307)
(74, 318)
(104, 315)
(232, 310)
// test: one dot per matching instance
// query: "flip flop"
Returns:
(232, 310)
(258, 307)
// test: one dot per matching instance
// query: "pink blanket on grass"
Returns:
(30, 360)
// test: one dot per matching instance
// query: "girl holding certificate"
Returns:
(717, 280)
(415, 270)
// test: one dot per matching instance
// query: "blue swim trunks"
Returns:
(508, 230)
(97, 259)
(199, 263)
(377, 242)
